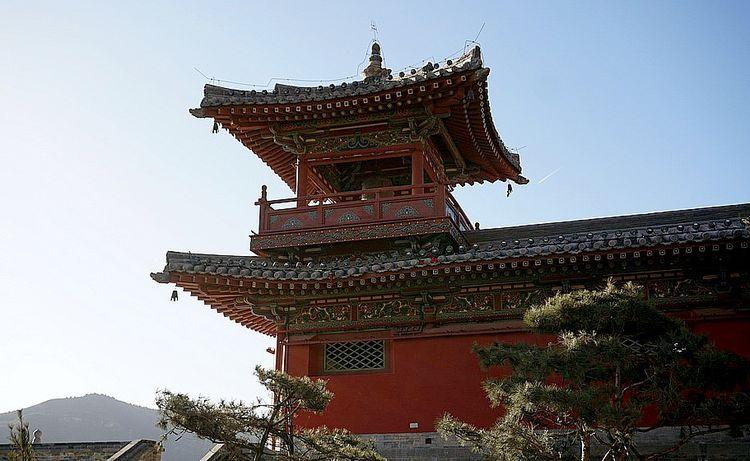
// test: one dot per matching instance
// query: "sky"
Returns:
(615, 107)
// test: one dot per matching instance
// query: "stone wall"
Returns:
(431, 446)
(75, 451)
(138, 450)
(419, 447)
(714, 447)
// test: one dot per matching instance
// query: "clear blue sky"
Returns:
(637, 106)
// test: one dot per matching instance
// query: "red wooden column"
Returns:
(417, 170)
(440, 200)
(280, 363)
(263, 204)
(302, 178)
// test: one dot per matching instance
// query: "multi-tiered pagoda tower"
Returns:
(373, 276)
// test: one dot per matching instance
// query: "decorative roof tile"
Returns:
(645, 231)
(285, 94)
(459, 86)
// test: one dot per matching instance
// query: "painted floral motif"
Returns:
(292, 223)
(524, 299)
(316, 314)
(386, 309)
(667, 290)
(348, 217)
(347, 234)
(406, 211)
(469, 303)
(358, 141)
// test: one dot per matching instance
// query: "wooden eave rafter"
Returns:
(417, 93)
(452, 148)
(241, 119)
(325, 158)
(222, 291)
(254, 124)
(433, 163)
(469, 135)
(318, 183)
(228, 308)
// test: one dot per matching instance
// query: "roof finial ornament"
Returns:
(375, 69)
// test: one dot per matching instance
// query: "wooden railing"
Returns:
(385, 204)
(455, 212)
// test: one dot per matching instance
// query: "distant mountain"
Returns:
(96, 418)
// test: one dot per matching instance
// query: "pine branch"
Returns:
(615, 355)
(245, 430)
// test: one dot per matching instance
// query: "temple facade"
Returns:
(372, 275)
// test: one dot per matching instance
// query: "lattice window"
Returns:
(355, 356)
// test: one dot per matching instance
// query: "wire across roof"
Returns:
(458, 90)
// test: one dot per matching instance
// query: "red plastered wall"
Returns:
(730, 334)
(425, 378)
(432, 375)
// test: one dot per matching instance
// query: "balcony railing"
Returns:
(385, 204)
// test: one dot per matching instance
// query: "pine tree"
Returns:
(20, 441)
(247, 430)
(614, 358)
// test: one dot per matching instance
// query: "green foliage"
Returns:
(612, 311)
(322, 443)
(246, 430)
(614, 356)
(507, 440)
(20, 440)
(306, 393)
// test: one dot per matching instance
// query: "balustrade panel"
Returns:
(407, 208)
(360, 207)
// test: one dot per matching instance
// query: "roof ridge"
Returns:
(682, 213)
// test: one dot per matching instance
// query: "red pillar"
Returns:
(417, 170)
(302, 178)
(280, 352)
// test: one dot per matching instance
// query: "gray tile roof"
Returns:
(645, 231)
(285, 94)
(469, 127)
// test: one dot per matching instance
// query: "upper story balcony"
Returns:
(369, 214)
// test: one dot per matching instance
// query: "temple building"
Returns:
(374, 277)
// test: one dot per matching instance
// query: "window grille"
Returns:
(355, 356)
